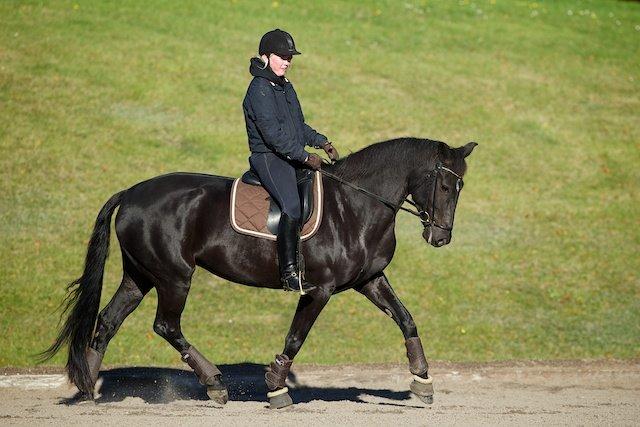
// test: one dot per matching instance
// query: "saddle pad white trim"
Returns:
(316, 216)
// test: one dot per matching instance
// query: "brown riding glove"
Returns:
(313, 161)
(331, 151)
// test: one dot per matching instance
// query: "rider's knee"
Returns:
(293, 211)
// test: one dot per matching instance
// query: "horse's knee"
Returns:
(164, 329)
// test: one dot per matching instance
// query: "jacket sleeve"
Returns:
(264, 113)
(313, 138)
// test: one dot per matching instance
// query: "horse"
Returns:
(170, 224)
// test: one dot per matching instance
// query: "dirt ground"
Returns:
(576, 392)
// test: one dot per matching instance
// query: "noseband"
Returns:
(425, 217)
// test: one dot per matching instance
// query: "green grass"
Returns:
(95, 97)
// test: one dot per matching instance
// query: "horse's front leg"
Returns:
(309, 307)
(379, 291)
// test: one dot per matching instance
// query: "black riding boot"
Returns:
(288, 237)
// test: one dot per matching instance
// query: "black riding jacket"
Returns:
(274, 118)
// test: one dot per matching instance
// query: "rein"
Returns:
(423, 215)
(375, 196)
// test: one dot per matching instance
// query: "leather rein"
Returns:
(425, 217)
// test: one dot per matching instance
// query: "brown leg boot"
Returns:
(94, 360)
(422, 384)
(275, 378)
(208, 374)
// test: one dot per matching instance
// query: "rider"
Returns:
(277, 136)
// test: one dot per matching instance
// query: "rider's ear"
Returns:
(466, 149)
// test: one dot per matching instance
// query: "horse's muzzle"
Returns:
(436, 237)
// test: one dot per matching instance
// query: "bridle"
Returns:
(427, 218)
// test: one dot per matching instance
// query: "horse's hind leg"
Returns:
(171, 301)
(123, 302)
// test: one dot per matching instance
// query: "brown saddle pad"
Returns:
(250, 207)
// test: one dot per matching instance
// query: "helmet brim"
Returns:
(291, 52)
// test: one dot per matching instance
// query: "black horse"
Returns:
(170, 224)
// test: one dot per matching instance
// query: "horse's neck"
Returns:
(387, 181)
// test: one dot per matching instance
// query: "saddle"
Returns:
(253, 212)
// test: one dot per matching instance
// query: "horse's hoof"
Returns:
(279, 399)
(423, 389)
(85, 401)
(426, 399)
(219, 396)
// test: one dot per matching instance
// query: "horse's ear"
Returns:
(467, 149)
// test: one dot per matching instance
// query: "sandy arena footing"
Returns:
(576, 392)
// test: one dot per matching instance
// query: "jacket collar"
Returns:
(257, 69)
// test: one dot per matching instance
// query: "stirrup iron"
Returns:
(287, 282)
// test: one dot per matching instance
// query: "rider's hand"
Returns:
(331, 151)
(313, 161)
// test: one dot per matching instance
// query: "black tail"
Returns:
(83, 299)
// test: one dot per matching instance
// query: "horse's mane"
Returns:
(375, 158)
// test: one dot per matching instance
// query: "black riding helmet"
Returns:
(279, 42)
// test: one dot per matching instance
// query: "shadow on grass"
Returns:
(245, 382)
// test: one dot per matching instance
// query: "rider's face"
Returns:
(279, 65)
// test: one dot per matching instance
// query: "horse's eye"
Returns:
(444, 189)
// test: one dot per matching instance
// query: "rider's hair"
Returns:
(265, 63)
